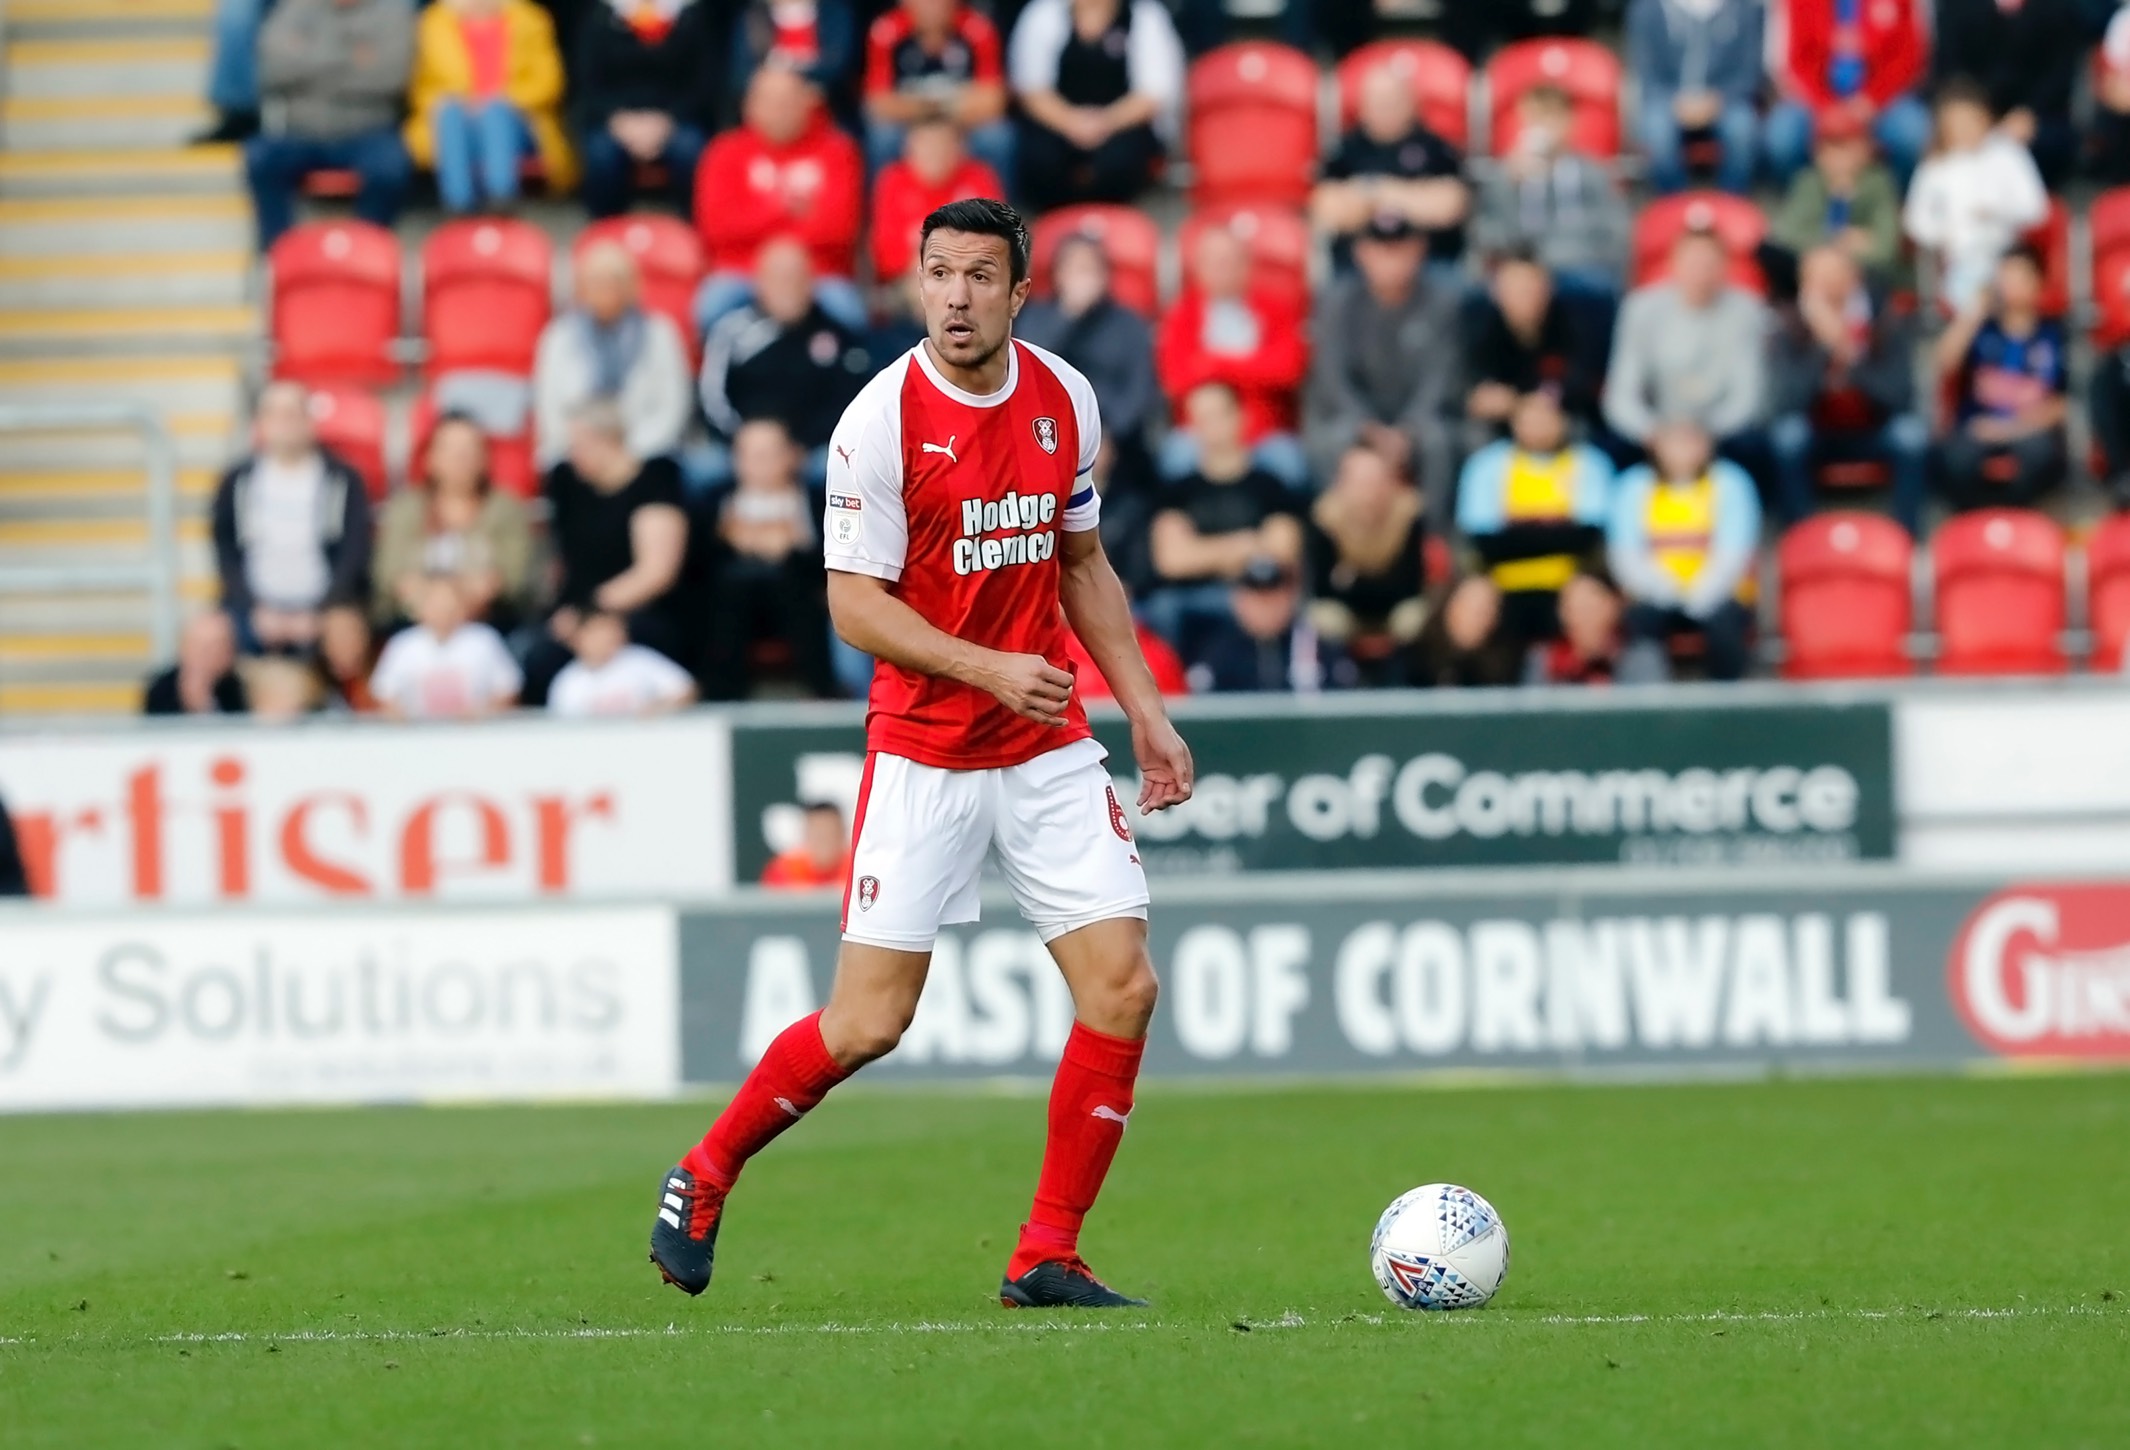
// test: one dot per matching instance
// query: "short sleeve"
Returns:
(389, 680)
(986, 61)
(499, 669)
(1083, 511)
(659, 483)
(865, 529)
(1037, 41)
(566, 696)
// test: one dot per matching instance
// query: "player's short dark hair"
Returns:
(983, 216)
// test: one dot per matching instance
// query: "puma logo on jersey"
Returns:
(946, 448)
(1108, 1114)
(844, 454)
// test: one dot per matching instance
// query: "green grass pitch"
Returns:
(1879, 1262)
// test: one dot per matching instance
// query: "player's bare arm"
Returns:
(1099, 612)
(870, 618)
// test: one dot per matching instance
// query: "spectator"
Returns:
(936, 60)
(1127, 525)
(1842, 376)
(821, 859)
(781, 357)
(1593, 648)
(14, 871)
(611, 348)
(933, 169)
(1699, 64)
(784, 171)
(1533, 507)
(1476, 26)
(233, 72)
(766, 582)
(1528, 340)
(2108, 409)
(2026, 54)
(454, 521)
(1690, 347)
(1390, 163)
(1162, 662)
(1226, 328)
(1263, 641)
(611, 677)
(1083, 322)
(620, 538)
(334, 76)
(343, 665)
(1465, 643)
(2008, 368)
(204, 680)
(1846, 197)
(1099, 82)
(1547, 196)
(1365, 540)
(1864, 56)
(1974, 198)
(2111, 104)
(291, 530)
(1684, 532)
(817, 39)
(487, 93)
(1212, 524)
(280, 689)
(643, 82)
(1386, 365)
(447, 666)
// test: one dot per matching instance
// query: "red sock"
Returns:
(1089, 1102)
(793, 1075)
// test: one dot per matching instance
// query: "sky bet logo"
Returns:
(1030, 514)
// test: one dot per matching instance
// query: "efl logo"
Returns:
(2044, 971)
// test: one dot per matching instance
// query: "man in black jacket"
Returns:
(644, 91)
(1526, 339)
(291, 530)
(1082, 322)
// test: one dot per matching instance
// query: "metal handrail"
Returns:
(157, 574)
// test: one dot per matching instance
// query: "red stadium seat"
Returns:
(1252, 131)
(2108, 590)
(1279, 241)
(1736, 220)
(2053, 240)
(2109, 223)
(669, 253)
(1846, 597)
(351, 424)
(335, 303)
(1587, 71)
(510, 459)
(487, 291)
(1441, 81)
(2000, 593)
(1131, 239)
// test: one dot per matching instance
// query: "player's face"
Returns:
(970, 299)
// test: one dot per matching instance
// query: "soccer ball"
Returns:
(1439, 1247)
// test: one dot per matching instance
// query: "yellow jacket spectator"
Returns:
(487, 93)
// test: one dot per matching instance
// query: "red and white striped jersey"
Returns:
(957, 499)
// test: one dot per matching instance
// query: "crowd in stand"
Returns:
(1489, 444)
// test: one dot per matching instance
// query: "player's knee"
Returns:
(1133, 996)
(872, 1033)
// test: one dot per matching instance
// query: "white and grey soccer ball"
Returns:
(1439, 1247)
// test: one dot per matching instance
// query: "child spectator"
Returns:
(644, 89)
(487, 93)
(1974, 198)
(936, 60)
(1550, 198)
(1593, 649)
(1216, 521)
(2008, 363)
(1225, 328)
(1392, 163)
(1699, 64)
(821, 859)
(1465, 642)
(932, 169)
(446, 667)
(1846, 197)
(204, 681)
(611, 677)
(1684, 532)
(1533, 507)
(1867, 57)
(1365, 540)
(1098, 82)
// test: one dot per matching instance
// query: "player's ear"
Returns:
(1020, 294)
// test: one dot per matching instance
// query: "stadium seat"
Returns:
(1441, 79)
(669, 253)
(350, 423)
(1590, 74)
(487, 291)
(510, 459)
(2108, 590)
(1252, 132)
(2000, 593)
(1735, 219)
(1279, 241)
(335, 303)
(1846, 597)
(1130, 237)
(2053, 240)
(2109, 225)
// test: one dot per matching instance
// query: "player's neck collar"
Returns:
(963, 395)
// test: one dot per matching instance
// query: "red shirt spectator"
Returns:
(934, 170)
(901, 56)
(1167, 667)
(785, 171)
(821, 858)
(1224, 330)
(1816, 60)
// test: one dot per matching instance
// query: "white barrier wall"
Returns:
(2027, 779)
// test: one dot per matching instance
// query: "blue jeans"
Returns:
(610, 171)
(853, 667)
(1902, 131)
(275, 167)
(724, 292)
(233, 76)
(479, 149)
(1279, 454)
(1737, 128)
(1902, 443)
(990, 143)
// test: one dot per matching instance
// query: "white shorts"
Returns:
(1064, 843)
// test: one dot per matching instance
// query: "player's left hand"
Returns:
(1165, 769)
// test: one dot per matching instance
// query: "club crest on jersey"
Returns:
(1046, 434)
(868, 892)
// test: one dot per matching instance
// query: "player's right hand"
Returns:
(1031, 686)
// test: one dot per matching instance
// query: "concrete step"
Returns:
(205, 441)
(178, 385)
(45, 226)
(42, 69)
(21, 651)
(126, 612)
(149, 279)
(19, 537)
(123, 171)
(89, 123)
(62, 701)
(112, 492)
(104, 331)
(107, 19)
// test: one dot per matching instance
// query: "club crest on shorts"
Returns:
(1117, 821)
(1046, 434)
(868, 892)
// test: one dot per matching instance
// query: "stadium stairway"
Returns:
(126, 272)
